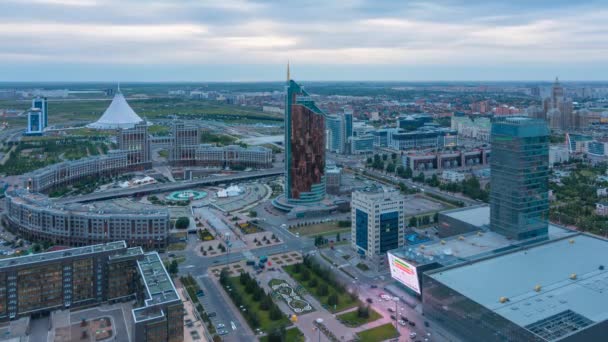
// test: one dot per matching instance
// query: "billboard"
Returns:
(404, 272)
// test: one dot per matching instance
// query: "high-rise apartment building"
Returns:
(519, 204)
(136, 142)
(378, 223)
(186, 140)
(304, 147)
(34, 122)
(348, 129)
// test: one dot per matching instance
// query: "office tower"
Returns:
(304, 147)
(35, 122)
(335, 134)
(519, 204)
(378, 222)
(348, 128)
(558, 109)
(41, 104)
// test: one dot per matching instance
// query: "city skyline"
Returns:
(90, 40)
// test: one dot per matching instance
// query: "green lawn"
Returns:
(344, 299)
(351, 319)
(321, 228)
(179, 246)
(292, 335)
(266, 324)
(381, 333)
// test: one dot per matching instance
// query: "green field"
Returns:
(381, 333)
(352, 319)
(64, 110)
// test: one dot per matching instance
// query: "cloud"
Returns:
(318, 32)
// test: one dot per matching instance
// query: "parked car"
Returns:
(374, 286)
(369, 300)
(412, 323)
(221, 325)
(393, 317)
(391, 310)
(404, 318)
(412, 335)
(212, 314)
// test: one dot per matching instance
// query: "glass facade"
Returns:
(361, 219)
(39, 287)
(519, 204)
(304, 147)
(334, 127)
(389, 231)
(83, 280)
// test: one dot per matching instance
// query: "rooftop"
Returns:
(478, 216)
(539, 282)
(50, 256)
(159, 288)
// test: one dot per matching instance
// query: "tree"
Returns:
(313, 282)
(253, 213)
(322, 290)
(363, 311)
(36, 248)
(337, 237)
(182, 222)
(173, 267)
(384, 157)
(275, 313)
(394, 156)
(277, 335)
(369, 160)
(266, 303)
(390, 168)
(425, 220)
(413, 222)
(408, 173)
(305, 275)
(332, 299)
(400, 171)
(297, 268)
(436, 218)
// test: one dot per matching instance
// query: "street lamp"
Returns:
(319, 321)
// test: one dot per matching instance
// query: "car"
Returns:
(401, 322)
(404, 318)
(171, 255)
(391, 310)
(412, 323)
(393, 317)
(369, 300)
(222, 332)
(426, 324)
(221, 325)
(200, 293)
(212, 314)
(413, 335)
(374, 286)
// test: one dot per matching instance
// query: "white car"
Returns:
(412, 335)
(401, 322)
(221, 325)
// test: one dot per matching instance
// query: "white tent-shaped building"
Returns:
(118, 115)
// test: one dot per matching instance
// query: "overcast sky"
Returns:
(241, 40)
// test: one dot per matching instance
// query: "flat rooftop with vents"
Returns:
(553, 290)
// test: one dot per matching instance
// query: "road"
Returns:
(214, 299)
(164, 187)
(423, 188)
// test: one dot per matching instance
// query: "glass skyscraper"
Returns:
(519, 204)
(304, 147)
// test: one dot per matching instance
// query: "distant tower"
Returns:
(41, 103)
(35, 122)
(519, 204)
(558, 109)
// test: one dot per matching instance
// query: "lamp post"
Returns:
(319, 321)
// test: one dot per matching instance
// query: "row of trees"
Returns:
(469, 187)
(258, 295)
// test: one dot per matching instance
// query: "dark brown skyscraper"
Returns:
(304, 147)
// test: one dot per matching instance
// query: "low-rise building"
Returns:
(450, 176)
(601, 208)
